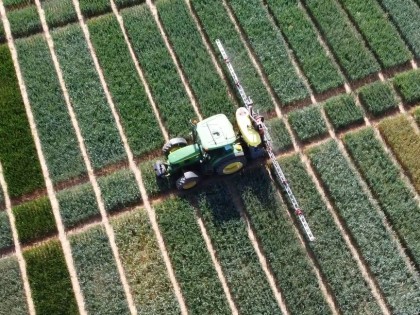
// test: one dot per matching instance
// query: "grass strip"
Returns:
(280, 244)
(88, 98)
(308, 123)
(380, 34)
(18, 155)
(12, 294)
(343, 112)
(384, 180)
(337, 264)
(24, 21)
(398, 285)
(119, 190)
(143, 264)
(49, 279)
(77, 204)
(97, 272)
(159, 70)
(408, 86)
(405, 144)
(34, 219)
(137, 117)
(270, 49)
(378, 98)
(59, 12)
(192, 264)
(208, 87)
(357, 61)
(6, 240)
(57, 135)
(318, 67)
(404, 14)
(244, 275)
(217, 24)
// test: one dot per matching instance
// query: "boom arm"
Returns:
(258, 121)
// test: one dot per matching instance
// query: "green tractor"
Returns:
(216, 149)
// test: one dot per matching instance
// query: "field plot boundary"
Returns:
(17, 246)
(50, 189)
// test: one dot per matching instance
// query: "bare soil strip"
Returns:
(17, 247)
(137, 174)
(48, 182)
(139, 70)
(181, 74)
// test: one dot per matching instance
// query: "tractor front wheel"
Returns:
(173, 145)
(187, 181)
(230, 166)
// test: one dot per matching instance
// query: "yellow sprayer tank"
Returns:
(249, 134)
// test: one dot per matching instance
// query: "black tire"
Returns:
(160, 169)
(238, 161)
(187, 181)
(173, 144)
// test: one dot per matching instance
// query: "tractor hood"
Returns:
(215, 132)
(183, 154)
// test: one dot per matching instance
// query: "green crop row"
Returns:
(280, 244)
(405, 143)
(12, 295)
(330, 250)
(217, 25)
(24, 21)
(159, 70)
(190, 259)
(143, 264)
(280, 135)
(137, 117)
(270, 49)
(208, 87)
(6, 240)
(11, 3)
(58, 138)
(343, 112)
(88, 98)
(77, 204)
(385, 182)
(405, 13)
(239, 262)
(318, 67)
(59, 12)
(154, 186)
(380, 34)
(357, 61)
(408, 86)
(49, 279)
(97, 272)
(308, 123)
(34, 219)
(94, 7)
(378, 98)
(18, 156)
(376, 245)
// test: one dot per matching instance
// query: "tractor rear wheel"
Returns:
(231, 165)
(187, 181)
(173, 145)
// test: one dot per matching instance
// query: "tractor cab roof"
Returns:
(215, 132)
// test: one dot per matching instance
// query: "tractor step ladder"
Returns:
(267, 143)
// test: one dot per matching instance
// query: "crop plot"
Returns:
(24, 21)
(22, 170)
(301, 36)
(336, 262)
(280, 135)
(416, 115)
(378, 98)
(12, 295)
(384, 180)
(408, 85)
(59, 12)
(50, 282)
(6, 240)
(280, 244)
(343, 112)
(376, 245)
(139, 122)
(159, 70)
(143, 264)
(271, 50)
(211, 93)
(191, 261)
(308, 123)
(217, 25)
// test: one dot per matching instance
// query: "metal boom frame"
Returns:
(267, 143)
